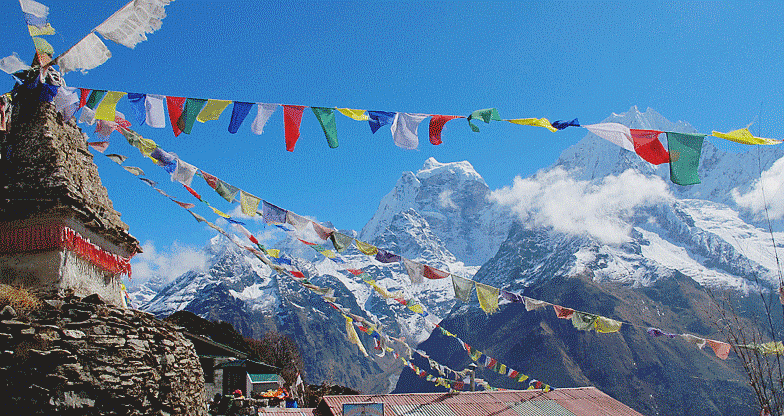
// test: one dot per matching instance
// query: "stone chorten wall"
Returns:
(50, 188)
(83, 357)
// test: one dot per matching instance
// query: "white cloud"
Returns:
(600, 210)
(445, 199)
(167, 264)
(770, 185)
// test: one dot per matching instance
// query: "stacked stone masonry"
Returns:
(84, 357)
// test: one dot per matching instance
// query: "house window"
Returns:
(208, 366)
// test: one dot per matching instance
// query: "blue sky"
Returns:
(716, 65)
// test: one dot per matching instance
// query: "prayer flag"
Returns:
(219, 212)
(192, 109)
(162, 157)
(322, 231)
(84, 94)
(436, 125)
(48, 92)
(186, 205)
(656, 332)
(262, 115)
(95, 98)
(744, 136)
(184, 173)
(118, 159)
(238, 114)
(416, 308)
(153, 107)
(42, 46)
(133, 169)
(108, 107)
(352, 335)
(560, 124)
(613, 132)
(648, 146)
(137, 103)
(212, 110)
(685, 150)
(405, 129)
(99, 146)
(378, 119)
(88, 116)
(721, 349)
(488, 297)
(341, 241)
(434, 274)
(192, 192)
(584, 321)
(249, 203)
(34, 8)
(386, 257)
(43, 30)
(174, 105)
(211, 180)
(606, 325)
(292, 117)
(326, 117)
(366, 248)
(87, 54)
(129, 25)
(537, 122)
(511, 297)
(358, 115)
(485, 115)
(12, 64)
(563, 313)
(299, 222)
(273, 214)
(462, 287)
(415, 270)
(227, 191)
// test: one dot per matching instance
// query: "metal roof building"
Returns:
(582, 401)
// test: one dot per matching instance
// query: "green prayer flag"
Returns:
(340, 241)
(583, 321)
(95, 98)
(225, 190)
(43, 46)
(485, 115)
(191, 111)
(685, 150)
(326, 116)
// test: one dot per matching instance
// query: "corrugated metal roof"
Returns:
(581, 401)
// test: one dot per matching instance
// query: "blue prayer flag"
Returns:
(238, 114)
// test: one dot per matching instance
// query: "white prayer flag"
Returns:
(67, 101)
(614, 132)
(128, 25)
(263, 114)
(153, 105)
(35, 8)
(404, 129)
(12, 64)
(88, 53)
(184, 173)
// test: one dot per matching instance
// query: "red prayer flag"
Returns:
(186, 205)
(436, 124)
(174, 105)
(84, 95)
(432, 273)
(192, 191)
(253, 240)
(212, 181)
(292, 117)
(563, 313)
(296, 273)
(355, 272)
(648, 146)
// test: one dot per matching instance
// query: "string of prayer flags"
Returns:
(358, 115)
(486, 115)
(614, 133)
(129, 25)
(193, 107)
(263, 113)
(685, 150)
(326, 117)
(36, 15)
(537, 122)
(86, 54)
(648, 146)
(405, 128)
(561, 124)
(436, 125)
(292, 117)
(744, 136)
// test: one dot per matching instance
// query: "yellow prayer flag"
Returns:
(488, 297)
(212, 110)
(366, 248)
(417, 308)
(606, 325)
(38, 31)
(538, 122)
(328, 254)
(352, 335)
(108, 106)
(358, 115)
(219, 212)
(249, 203)
(273, 252)
(381, 291)
(744, 136)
